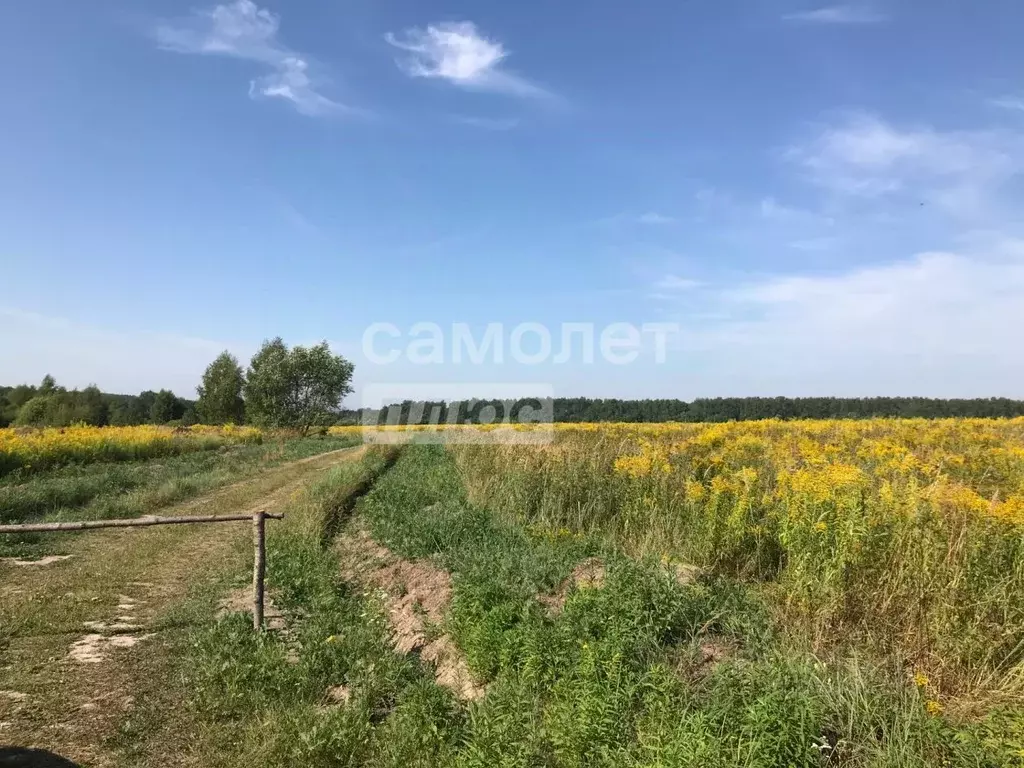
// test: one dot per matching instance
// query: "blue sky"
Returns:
(825, 198)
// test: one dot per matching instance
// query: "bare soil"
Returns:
(416, 594)
(43, 561)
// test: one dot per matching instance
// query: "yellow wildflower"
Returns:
(633, 466)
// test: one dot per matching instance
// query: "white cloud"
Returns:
(290, 81)
(961, 171)
(935, 322)
(867, 144)
(488, 123)
(458, 53)
(938, 304)
(838, 14)
(649, 218)
(772, 210)
(940, 323)
(244, 31)
(239, 29)
(676, 283)
(815, 244)
(1014, 103)
(653, 217)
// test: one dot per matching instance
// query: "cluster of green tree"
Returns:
(653, 411)
(303, 387)
(582, 409)
(298, 388)
(526, 410)
(749, 408)
(51, 405)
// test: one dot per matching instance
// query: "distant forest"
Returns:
(48, 404)
(581, 409)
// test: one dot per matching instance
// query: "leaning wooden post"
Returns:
(259, 567)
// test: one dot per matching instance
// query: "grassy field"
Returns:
(904, 534)
(644, 662)
(749, 594)
(28, 450)
(128, 488)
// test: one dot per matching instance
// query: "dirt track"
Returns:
(81, 638)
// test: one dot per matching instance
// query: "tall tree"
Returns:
(220, 394)
(33, 412)
(267, 384)
(142, 409)
(12, 401)
(166, 407)
(94, 408)
(297, 388)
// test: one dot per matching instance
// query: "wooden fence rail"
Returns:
(259, 563)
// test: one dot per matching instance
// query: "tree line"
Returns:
(582, 409)
(302, 387)
(51, 405)
(755, 408)
(297, 388)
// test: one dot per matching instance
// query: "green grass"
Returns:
(130, 489)
(260, 708)
(619, 678)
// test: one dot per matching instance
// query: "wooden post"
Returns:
(259, 519)
(259, 567)
(135, 522)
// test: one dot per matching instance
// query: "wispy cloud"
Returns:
(459, 53)
(1015, 103)
(649, 218)
(929, 323)
(937, 323)
(244, 31)
(815, 244)
(935, 303)
(296, 218)
(676, 283)
(865, 156)
(653, 217)
(838, 14)
(773, 210)
(487, 123)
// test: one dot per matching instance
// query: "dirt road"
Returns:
(86, 635)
